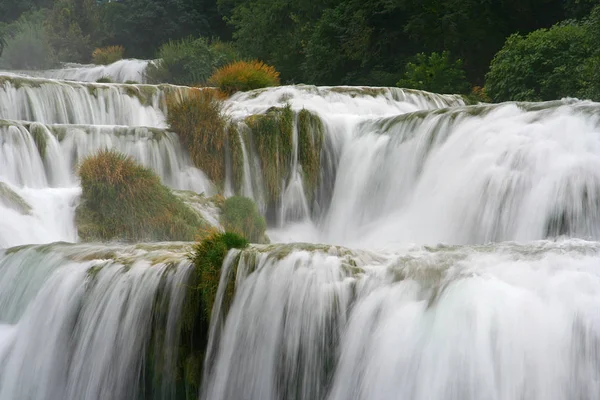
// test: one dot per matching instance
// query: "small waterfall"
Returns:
(74, 324)
(61, 102)
(129, 70)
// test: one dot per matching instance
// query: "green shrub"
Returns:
(244, 76)
(124, 201)
(107, 55)
(544, 65)
(199, 121)
(435, 73)
(241, 215)
(189, 61)
(208, 256)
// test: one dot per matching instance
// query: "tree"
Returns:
(435, 72)
(544, 65)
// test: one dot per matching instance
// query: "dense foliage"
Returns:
(122, 200)
(107, 55)
(422, 44)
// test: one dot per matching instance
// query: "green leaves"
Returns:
(436, 73)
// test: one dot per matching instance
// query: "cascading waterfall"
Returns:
(502, 321)
(76, 324)
(503, 309)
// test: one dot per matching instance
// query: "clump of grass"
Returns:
(132, 83)
(310, 142)
(273, 136)
(208, 256)
(107, 55)
(244, 76)
(104, 79)
(199, 121)
(122, 200)
(241, 215)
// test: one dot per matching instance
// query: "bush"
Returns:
(244, 76)
(544, 65)
(208, 256)
(26, 44)
(241, 215)
(189, 61)
(123, 200)
(107, 55)
(199, 121)
(435, 73)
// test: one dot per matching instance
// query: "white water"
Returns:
(75, 326)
(500, 321)
(503, 321)
(128, 70)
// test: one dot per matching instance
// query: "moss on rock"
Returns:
(310, 143)
(273, 136)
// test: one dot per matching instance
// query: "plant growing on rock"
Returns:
(310, 143)
(273, 135)
(122, 200)
(243, 76)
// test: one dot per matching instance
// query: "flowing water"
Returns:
(470, 267)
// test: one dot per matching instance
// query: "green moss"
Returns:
(122, 200)
(241, 215)
(131, 82)
(310, 143)
(207, 259)
(12, 200)
(273, 136)
(237, 157)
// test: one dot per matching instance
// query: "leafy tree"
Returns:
(435, 72)
(544, 65)
(26, 43)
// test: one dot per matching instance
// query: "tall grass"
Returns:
(244, 76)
(122, 200)
(199, 121)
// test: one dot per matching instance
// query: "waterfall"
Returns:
(75, 324)
(438, 250)
(128, 70)
(502, 321)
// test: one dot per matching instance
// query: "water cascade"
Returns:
(437, 250)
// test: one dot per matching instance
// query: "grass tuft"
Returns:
(199, 121)
(243, 76)
(122, 200)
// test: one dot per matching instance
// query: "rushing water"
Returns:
(505, 309)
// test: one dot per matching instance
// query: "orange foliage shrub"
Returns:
(243, 76)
